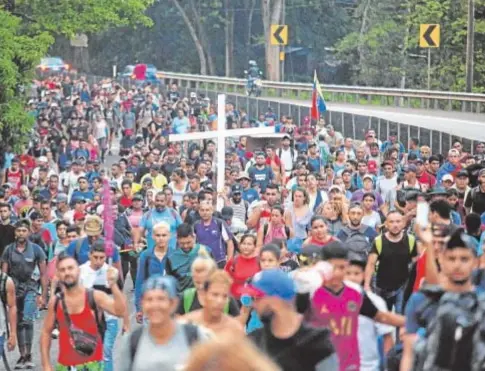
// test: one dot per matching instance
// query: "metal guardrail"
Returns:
(349, 124)
(441, 100)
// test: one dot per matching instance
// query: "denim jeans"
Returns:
(110, 335)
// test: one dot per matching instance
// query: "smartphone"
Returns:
(422, 214)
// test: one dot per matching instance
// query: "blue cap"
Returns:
(164, 283)
(272, 282)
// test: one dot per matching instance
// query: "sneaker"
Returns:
(29, 365)
(20, 364)
(55, 334)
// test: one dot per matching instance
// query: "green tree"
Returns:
(18, 54)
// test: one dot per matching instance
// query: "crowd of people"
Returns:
(329, 253)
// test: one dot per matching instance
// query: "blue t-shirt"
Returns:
(87, 195)
(250, 195)
(155, 267)
(262, 177)
(83, 255)
(153, 217)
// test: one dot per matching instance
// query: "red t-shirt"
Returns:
(314, 241)
(241, 269)
(84, 321)
(126, 201)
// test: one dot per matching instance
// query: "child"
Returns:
(288, 260)
(369, 331)
(337, 306)
(244, 265)
(269, 258)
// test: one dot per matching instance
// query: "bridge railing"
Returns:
(350, 125)
(424, 99)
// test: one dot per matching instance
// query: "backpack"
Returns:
(188, 297)
(191, 335)
(378, 242)
(98, 314)
(453, 340)
(3, 298)
(265, 231)
(294, 155)
(358, 244)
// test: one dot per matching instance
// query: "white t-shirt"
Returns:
(373, 220)
(99, 278)
(368, 333)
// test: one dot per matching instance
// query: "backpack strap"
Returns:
(226, 307)
(378, 241)
(411, 241)
(234, 262)
(147, 268)
(134, 340)
(287, 232)
(92, 304)
(191, 333)
(188, 298)
(77, 250)
(265, 230)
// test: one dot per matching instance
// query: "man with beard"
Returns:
(285, 337)
(80, 308)
(356, 236)
(25, 263)
(237, 204)
(394, 250)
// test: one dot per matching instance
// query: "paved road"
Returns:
(12, 357)
(466, 125)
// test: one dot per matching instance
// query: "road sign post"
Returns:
(429, 37)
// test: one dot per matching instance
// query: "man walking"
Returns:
(25, 263)
(77, 312)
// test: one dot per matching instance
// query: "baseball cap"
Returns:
(78, 215)
(272, 282)
(147, 180)
(93, 225)
(243, 175)
(448, 177)
(227, 213)
(286, 136)
(138, 197)
(368, 176)
(42, 159)
(411, 168)
(155, 167)
(462, 174)
(163, 283)
(236, 188)
(61, 197)
(77, 199)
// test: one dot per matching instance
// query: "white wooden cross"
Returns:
(221, 134)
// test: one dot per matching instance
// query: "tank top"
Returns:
(15, 179)
(84, 321)
(135, 218)
(178, 196)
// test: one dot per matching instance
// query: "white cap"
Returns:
(448, 177)
(42, 159)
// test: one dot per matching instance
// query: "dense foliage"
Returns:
(369, 42)
(28, 29)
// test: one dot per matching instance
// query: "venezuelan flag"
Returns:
(318, 101)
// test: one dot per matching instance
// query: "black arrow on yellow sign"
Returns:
(277, 35)
(427, 35)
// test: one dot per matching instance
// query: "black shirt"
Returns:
(7, 236)
(475, 199)
(394, 261)
(303, 351)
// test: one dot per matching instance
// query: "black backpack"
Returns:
(191, 334)
(454, 338)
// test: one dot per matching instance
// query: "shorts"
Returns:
(90, 366)
(27, 307)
